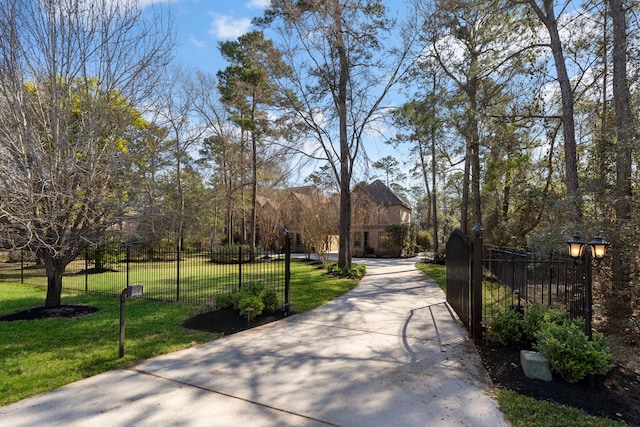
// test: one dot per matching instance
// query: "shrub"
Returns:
(248, 300)
(506, 326)
(224, 301)
(254, 295)
(424, 240)
(535, 315)
(270, 300)
(560, 340)
(355, 272)
(569, 351)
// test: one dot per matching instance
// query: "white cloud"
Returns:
(258, 4)
(227, 27)
(197, 43)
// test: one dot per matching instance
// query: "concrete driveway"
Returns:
(388, 353)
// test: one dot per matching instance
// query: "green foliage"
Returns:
(250, 301)
(506, 326)
(224, 301)
(569, 351)
(424, 239)
(403, 237)
(534, 317)
(560, 340)
(510, 325)
(270, 299)
(254, 295)
(356, 271)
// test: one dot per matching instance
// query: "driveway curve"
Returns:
(388, 353)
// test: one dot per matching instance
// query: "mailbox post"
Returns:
(128, 292)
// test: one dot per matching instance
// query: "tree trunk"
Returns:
(618, 304)
(547, 17)
(254, 180)
(464, 204)
(55, 270)
(434, 191)
(344, 255)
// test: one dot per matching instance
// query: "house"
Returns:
(380, 222)
(379, 219)
(308, 216)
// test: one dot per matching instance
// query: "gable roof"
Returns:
(383, 195)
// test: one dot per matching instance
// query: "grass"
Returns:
(523, 411)
(40, 355)
(200, 279)
(310, 287)
(435, 271)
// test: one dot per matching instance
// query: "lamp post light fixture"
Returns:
(597, 250)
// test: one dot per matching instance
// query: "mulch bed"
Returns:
(46, 312)
(616, 396)
(228, 321)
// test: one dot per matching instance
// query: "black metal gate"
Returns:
(464, 278)
(458, 273)
(513, 278)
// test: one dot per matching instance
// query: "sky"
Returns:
(201, 24)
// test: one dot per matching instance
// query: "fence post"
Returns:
(287, 274)
(240, 268)
(476, 283)
(588, 297)
(22, 266)
(86, 270)
(127, 264)
(179, 255)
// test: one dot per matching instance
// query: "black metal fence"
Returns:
(481, 279)
(193, 277)
(515, 277)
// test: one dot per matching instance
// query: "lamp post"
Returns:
(592, 257)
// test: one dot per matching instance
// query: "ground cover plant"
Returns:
(613, 401)
(40, 355)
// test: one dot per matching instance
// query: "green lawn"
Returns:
(435, 271)
(523, 411)
(41, 355)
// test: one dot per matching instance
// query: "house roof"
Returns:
(383, 195)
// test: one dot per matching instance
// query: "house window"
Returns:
(356, 240)
(383, 239)
(366, 239)
(383, 215)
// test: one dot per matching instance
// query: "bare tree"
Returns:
(73, 76)
(177, 113)
(344, 65)
(317, 222)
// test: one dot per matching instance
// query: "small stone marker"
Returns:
(535, 365)
(249, 311)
